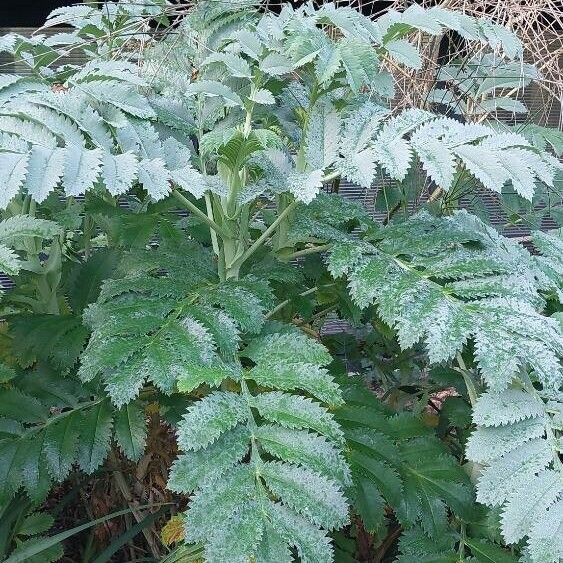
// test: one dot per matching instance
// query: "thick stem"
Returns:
(212, 232)
(231, 253)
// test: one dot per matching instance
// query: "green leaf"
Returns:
(21, 407)
(9, 261)
(207, 419)
(262, 96)
(21, 226)
(386, 478)
(34, 475)
(45, 170)
(487, 552)
(39, 546)
(193, 469)
(13, 170)
(512, 471)
(61, 443)
(311, 543)
(297, 412)
(527, 506)
(250, 43)
(290, 347)
(273, 547)
(236, 65)
(317, 498)
(487, 443)
(276, 64)
(95, 426)
(368, 502)
(238, 537)
(545, 542)
(359, 61)
(36, 523)
(308, 377)
(507, 407)
(405, 53)
(130, 429)
(306, 449)
(212, 88)
(81, 169)
(85, 279)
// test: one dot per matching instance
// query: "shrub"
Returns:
(122, 307)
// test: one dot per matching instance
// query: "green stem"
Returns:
(266, 234)
(330, 177)
(283, 304)
(212, 232)
(461, 549)
(307, 251)
(34, 429)
(319, 315)
(468, 380)
(199, 213)
(252, 429)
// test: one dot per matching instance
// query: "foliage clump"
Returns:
(124, 309)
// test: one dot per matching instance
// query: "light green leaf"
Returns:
(213, 89)
(262, 96)
(207, 419)
(276, 64)
(405, 53)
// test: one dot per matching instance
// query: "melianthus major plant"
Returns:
(241, 117)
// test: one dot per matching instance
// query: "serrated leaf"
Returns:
(192, 469)
(209, 418)
(262, 96)
(297, 412)
(95, 426)
(236, 65)
(385, 477)
(130, 429)
(311, 543)
(315, 497)
(154, 177)
(290, 347)
(528, 505)
(45, 170)
(81, 169)
(545, 541)
(13, 170)
(119, 172)
(405, 53)
(61, 444)
(306, 449)
(36, 523)
(308, 377)
(487, 443)
(10, 262)
(276, 64)
(512, 471)
(213, 89)
(273, 547)
(506, 407)
(368, 502)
